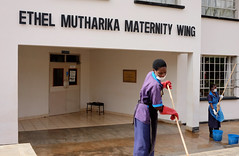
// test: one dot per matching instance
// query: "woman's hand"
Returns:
(214, 112)
(167, 83)
(170, 111)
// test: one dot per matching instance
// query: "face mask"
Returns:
(161, 78)
(215, 90)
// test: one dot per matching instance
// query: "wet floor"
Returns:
(118, 140)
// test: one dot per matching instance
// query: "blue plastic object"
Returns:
(233, 139)
(217, 135)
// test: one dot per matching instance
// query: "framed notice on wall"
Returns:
(129, 76)
(72, 76)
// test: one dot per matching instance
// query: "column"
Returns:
(181, 88)
(193, 90)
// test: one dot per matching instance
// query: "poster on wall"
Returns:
(72, 76)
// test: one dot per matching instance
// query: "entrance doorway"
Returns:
(64, 89)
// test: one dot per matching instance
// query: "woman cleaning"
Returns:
(146, 111)
(214, 118)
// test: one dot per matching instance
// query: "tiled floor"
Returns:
(118, 140)
(72, 120)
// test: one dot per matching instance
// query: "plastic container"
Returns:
(233, 139)
(217, 135)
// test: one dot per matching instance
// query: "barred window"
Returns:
(219, 8)
(217, 70)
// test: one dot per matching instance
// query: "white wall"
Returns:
(33, 81)
(29, 34)
(34, 78)
(106, 77)
(15, 34)
(8, 80)
(229, 109)
(220, 37)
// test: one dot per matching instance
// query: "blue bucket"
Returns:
(217, 135)
(233, 139)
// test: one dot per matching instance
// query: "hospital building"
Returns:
(57, 56)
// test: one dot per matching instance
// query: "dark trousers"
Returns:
(210, 130)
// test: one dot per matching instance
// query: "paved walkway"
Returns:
(118, 140)
(223, 152)
(17, 150)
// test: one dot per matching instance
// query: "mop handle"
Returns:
(218, 104)
(179, 129)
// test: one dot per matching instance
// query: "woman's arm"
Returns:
(211, 105)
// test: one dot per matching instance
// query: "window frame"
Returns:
(148, 2)
(234, 9)
(228, 60)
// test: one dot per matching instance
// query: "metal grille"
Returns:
(216, 70)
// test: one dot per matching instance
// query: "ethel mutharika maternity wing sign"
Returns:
(100, 23)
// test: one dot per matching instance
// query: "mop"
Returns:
(218, 104)
(179, 129)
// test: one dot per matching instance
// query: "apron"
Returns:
(219, 117)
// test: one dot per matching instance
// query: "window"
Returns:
(216, 70)
(162, 1)
(64, 58)
(58, 75)
(72, 58)
(57, 58)
(219, 8)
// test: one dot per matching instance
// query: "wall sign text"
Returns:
(100, 23)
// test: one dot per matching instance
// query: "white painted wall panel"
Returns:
(106, 77)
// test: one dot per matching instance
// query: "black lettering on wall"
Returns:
(30, 13)
(116, 25)
(101, 24)
(109, 21)
(180, 29)
(81, 20)
(158, 28)
(87, 23)
(184, 30)
(129, 26)
(193, 31)
(65, 21)
(44, 19)
(141, 26)
(22, 17)
(152, 27)
(170, 28)
(50, 21)
(146, 27)
(136, 26)
(37, 18)
(94, 23)
(74, 21)
(165, 29)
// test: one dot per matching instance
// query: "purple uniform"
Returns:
(146, 116)
(150, 94)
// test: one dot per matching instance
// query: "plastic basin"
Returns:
(217, 135)
(233, 139)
